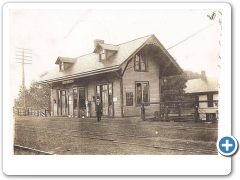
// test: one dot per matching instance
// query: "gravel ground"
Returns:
(71, 136)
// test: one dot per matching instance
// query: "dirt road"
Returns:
(60, 135)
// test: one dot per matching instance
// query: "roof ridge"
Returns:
(127, 41)
(65, 57)
(203, 79)
(135, 39)
(85, 55)
(117, 45)
(109, 44)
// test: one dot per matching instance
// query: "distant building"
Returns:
(204, 89)
(121, 76)
(191, 75)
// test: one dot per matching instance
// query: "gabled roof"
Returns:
(65, 59)
(90, 64)
(202, 85)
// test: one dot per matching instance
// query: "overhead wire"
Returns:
(180, 41)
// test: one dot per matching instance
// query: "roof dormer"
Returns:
(65, 62)
(104, 50)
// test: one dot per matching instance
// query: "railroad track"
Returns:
(113, 138)
(42, 129)
(118, 123)
(35, 151)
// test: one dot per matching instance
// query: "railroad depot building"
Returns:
(122, 76)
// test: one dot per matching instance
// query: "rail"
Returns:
(33, 150)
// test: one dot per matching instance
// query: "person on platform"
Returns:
(99, 110)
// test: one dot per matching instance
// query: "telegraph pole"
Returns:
(23, 57)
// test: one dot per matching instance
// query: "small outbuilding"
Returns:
(206, 90)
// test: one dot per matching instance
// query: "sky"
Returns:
(70, 33)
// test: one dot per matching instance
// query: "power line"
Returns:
(180, 41)
(23, 48)
(24, 59)
(24, 63)
(192, 35)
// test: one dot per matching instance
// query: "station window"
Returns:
(103, 54)
(142, 93)
(140, 61)
(61, 66)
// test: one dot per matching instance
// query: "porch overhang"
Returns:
(167, 64)
(80, 75)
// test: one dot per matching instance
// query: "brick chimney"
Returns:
(98, 41)
(203, 75)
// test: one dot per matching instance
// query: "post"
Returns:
(45, 112)
(165, 112)
(87, 108)
(179, 110)
(121, 96)
(143, 112)
(23, 79)
(196, 113)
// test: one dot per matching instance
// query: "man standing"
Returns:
(99, 110)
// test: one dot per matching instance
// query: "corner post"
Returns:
(143, 112)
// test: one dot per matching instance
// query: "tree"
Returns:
(36, 97)
(173, 86)
(39, 96)
(19, 100)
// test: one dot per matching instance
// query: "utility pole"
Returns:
(23, 57)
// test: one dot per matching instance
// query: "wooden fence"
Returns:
(177, 111)
(30, 112)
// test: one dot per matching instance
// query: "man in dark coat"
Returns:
(99, 110)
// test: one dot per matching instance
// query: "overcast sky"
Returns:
(70, 33)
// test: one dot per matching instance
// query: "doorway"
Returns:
(79, 102)
(104, 94)
(62, 103)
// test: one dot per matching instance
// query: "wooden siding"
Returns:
(116, 94)
(104, 79)
(90, 85)
(130, 78)
(69, 91)
(203, 106)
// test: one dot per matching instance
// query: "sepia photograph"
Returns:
(115, 82)
(95, 81)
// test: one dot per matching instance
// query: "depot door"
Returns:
(62, 103)
(104, 100)
(104, 94)
(79, 102)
